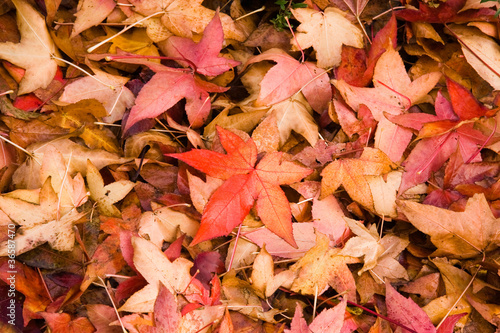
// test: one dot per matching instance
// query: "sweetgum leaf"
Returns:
(244, 184)
(205, 54)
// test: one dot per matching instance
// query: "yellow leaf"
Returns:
(107, 195)
(34, 52)
(326, 32)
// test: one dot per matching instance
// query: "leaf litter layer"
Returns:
(252, 166)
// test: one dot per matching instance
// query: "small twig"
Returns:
(251, 13)
(234, 248)
(91, 49)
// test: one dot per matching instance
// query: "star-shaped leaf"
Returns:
(458, 234)
(326, 32)
(244, 184)
(205, 54)
(351, 172)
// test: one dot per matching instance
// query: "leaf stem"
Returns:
(6, 92)
(234, 248)
(91, 49)
(251, 13)
(131, 56)
(483, 145)
(84, 71)
(381, 316)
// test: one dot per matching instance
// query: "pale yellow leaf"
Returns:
(326, 32)
(106, 196)
(384, 192)
(481, 52)
(295, 114)
(34, 52)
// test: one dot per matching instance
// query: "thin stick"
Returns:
(234, 249)
(113, 303)
(44, 284)
(91, 49)
(251, 13)
(20, 148)
(459, 298)
(303, 58)
(6, 92)
(483, 145)
(363, 28)
(387, 12)
(315, 300)
(84, 71)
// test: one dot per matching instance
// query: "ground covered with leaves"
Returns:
(249, 166)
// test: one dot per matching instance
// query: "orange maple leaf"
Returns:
(245, 183)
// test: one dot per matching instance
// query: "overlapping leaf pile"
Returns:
(202, 170)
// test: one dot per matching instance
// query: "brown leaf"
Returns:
(457, 234)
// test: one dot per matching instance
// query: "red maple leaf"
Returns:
(205, 54)
(167, 87)
(448, 11)
(450, 128)
(357, 66)
(245, 183)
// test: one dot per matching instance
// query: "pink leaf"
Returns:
(303, 234)
(289, 76)
(331, 320)
(406, 312)
(205, 54)
(298, 324)
(167, 316)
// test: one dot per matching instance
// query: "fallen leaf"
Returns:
(351, 174)
(289, 76)
(75, 157)
(242, 297)
(167, 316)
(457, 234)
(405, 311)
(108, 89)
(303, 233)
(205, 54)
(244, 184)
(322, 267)
(481, 52)
(316, 30)
(35, 51)
(295, 114)
(29, 283)
(107, 259)
(62, 322)
(91, 13)
(394, 93)
(150, 261)
(165, 89)
(106, 196)
(37, 229)
(379, 253)
(101, 316)
(384, 192)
